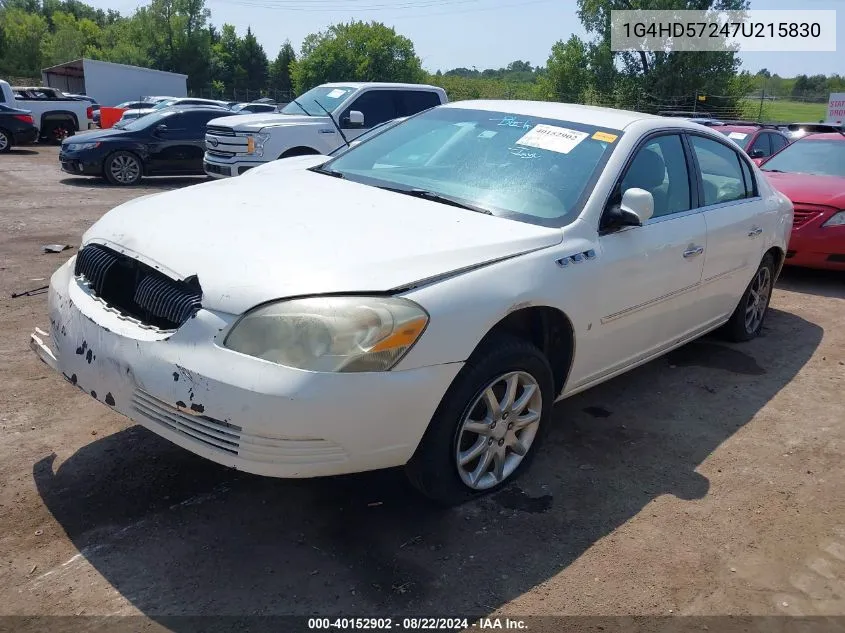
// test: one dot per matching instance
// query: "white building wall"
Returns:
(111, 84)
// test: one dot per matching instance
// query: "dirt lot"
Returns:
(707, 482)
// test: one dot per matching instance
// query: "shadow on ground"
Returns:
(822, 283)
(158, 182)
(17, 151)
(177, 535)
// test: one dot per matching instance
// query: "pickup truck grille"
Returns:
(219, 131)
(225, 142)
(136, 290)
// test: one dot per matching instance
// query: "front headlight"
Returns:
(255, 144)
(331, 334)
(75, 147)
(837, 219)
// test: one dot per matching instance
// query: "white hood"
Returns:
(285, 231)
(256, 122)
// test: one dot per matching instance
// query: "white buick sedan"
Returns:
(422, 299)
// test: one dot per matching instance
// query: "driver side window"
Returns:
(377, 106)
(660, 167)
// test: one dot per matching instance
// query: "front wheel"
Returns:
(123, 168)
(5, 142)
(489, 424)
(747, 320)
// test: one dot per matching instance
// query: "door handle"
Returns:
(693, 252)
(755, 231)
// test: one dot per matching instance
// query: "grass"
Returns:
(785, 111)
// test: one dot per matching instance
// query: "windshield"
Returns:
(530, 169)
(146, 121)
(327, 97)
(740, 138)
(164, 104)
(808, 156)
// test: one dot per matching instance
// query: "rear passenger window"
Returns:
(778, 142)
(414, 101)
(721, 171)
(761, 143)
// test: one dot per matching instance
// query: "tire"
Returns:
(742, 327)
(118, 169)
(435, 469)
(57, 131)
(5, 142)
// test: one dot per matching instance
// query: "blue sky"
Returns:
(482, 33)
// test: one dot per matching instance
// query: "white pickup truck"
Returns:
(315, 123)
(55, 115)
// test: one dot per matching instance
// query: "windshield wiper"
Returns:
(437, 197)
(301, 107)
(328, 172)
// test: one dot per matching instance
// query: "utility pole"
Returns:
(762, 97)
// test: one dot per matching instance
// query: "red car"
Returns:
(811, 173)
(758, 141)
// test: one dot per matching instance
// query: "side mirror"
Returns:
(757, 153)
(636, 208)
(356, 118)
(638, 203)
(758, 161)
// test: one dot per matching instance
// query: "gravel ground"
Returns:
(707, 482)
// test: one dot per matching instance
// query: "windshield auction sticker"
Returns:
(552, 138)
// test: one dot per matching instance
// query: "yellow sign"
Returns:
(604, 136)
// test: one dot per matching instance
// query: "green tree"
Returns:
(567, 76)
(23, 33)
(71, 39)
(280, 68)
(253, 59)
(357, 51)
(663, 74)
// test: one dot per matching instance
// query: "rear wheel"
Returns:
(57, 131)
(123, 168)
(747, 320)
(5, 141)
(489, 424)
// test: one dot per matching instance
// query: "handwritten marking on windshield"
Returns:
(521, 152)
(512, 121)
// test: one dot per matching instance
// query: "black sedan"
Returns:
(169, 142)
(16, 128)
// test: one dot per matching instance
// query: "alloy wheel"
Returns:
(4, 142)
(498, 430)
(124, 169)
(758, 299)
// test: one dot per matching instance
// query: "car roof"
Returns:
(379, 84)
(745, 129)
(823, 136)
(595, 115)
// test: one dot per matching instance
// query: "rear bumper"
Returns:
(26, 137)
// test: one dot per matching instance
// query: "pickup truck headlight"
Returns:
(255, 144)
(837, 219)
(331, 334)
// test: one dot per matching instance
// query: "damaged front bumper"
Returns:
(233, 409)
